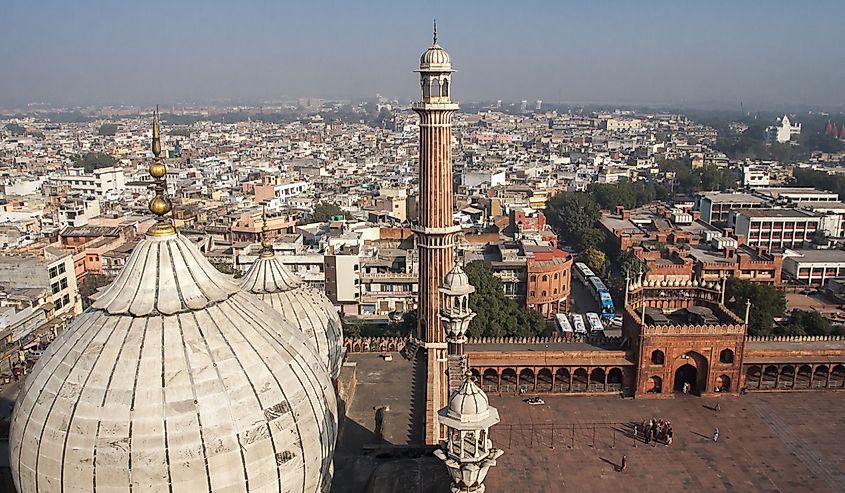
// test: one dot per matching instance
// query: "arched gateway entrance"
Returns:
(690, 368)
(686, 374)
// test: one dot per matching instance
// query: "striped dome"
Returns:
(305, 307)
(175, 380)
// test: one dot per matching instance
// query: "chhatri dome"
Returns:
(175, 380)
(309, 309)
(435, 58)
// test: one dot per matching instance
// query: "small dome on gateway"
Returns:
(175, 380)
(469, 403)
(302, 305)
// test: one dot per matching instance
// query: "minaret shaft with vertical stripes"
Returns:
(435, 230)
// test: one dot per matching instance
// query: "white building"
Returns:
(755, 175)
(783, 132)
(776, 228)
(99, 183)
(814, 266)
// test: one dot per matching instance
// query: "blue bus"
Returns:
(602, 295)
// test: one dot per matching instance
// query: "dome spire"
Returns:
(435, 33)
(160, 204)
(266, 244)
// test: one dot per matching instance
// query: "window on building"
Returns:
(533, 294)
(545, 277)
(533, 278)
(657, 357)
(726, 356)
(556, 276)
(53, 272)
(63, 283)
(57, 304)
(55, 287)
(61, 268)
(66, 299)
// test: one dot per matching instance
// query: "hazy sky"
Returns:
(122, 51)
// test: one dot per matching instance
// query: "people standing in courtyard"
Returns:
(624, 463)
(718, 407)
(716, 435)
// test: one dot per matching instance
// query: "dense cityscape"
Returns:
(383, 294)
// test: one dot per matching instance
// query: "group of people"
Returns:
(655, 430)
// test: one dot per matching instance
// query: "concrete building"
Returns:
(814, 267)
(715, 207)
(776, 228)
(52, 270)
(102, 182)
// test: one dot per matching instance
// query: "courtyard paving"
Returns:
(777, 442)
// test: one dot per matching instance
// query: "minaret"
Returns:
(467, 450)
(456, 316)
(435, 230)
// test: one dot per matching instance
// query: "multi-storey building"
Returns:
(715, 207)
(775, 228)
(101, 183)
(53, 270)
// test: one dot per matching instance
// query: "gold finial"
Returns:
(266, 244)
(435, 32)
(468, 375)
(160, 204)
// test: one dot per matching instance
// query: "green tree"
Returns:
(93, 160)
(497, 315)
(596, 260)
(15, 129)
(107, 129)
(767, 303)
(630, 265)
(574, 216)
(802, 323)
(323, 212)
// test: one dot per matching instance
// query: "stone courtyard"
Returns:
(774, 442)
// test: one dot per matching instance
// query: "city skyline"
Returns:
(662, 53)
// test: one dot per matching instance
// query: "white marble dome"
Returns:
(304, 306)
(469, 403)
(457, 282)
(435, 58)
(175, 380)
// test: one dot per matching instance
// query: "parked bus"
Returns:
(583, 273)
(578, 324)
(602, 295)
(563, 325)
(595, 323)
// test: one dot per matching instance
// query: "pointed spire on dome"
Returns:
(435, 33)
(266, 244)
(160, 205)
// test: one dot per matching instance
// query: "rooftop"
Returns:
(780, 213)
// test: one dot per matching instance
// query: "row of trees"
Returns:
(323, 212)
(819, 179)
(496, 315)
(769, 303)
(93, 160)
(685, 180)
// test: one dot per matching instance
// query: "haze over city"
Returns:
(684, 53)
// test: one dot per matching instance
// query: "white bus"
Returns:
(563, 324)
(595, 322)
(583, 273)
(578, 323)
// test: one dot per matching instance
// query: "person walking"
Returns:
(718, 407)
(624, 463)
(716, 435)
